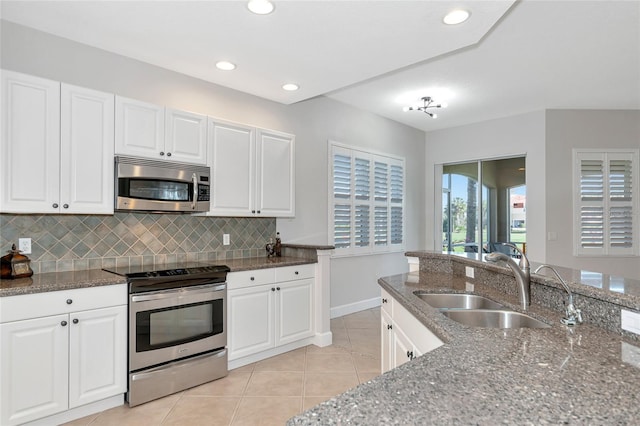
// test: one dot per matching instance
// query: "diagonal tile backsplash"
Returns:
(78, 242)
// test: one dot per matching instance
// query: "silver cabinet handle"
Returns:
(69, 301)
(168, 154)
(75, 320)
(63, 323)
(66, 206)
(161, 153)
(55, 205)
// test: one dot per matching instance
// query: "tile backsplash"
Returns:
(79, 242)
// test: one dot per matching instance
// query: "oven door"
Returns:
(172, 324)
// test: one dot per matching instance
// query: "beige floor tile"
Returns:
(245, 369)
(232, 385)
(84, 421)
(312, 401)
(202, 410)
(366, 363)
(365, 376)
(149, 414)
(336, 323)
(266, 411)
(362, 319)
(330, 362)
(328, 384)
(275, 383)
(331, 349)
(289, 361)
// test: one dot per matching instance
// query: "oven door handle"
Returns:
(166, 294)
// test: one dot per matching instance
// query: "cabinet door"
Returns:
(30, 144)
(386, 340)
(185, 136)
(232, 161)
(34, 369)
(139, 129)
(251, 313)
(97, 354)
(86, 161)
(275, 174)
(295, 310)
(403, 350)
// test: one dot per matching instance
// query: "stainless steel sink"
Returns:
(494, 319)
(458, 301)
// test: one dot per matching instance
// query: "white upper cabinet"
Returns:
(139, 128)
(252, 171)
(232, 162)
(57, 147)
(86, 160)
(147, 130)
(30, 144)
(275, 174)
(185, 136)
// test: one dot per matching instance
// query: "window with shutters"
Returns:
(367, 208)
(606, 202)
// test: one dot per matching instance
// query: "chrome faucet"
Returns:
(572, 315)
(520, 271)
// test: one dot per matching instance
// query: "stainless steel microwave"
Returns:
(160, 186)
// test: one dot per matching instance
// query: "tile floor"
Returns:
(271, 391)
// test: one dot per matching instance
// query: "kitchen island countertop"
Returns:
(559, 375)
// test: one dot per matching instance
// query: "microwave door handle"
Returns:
(194, 177)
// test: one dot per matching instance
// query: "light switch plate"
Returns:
(630, 321)
(226, 239)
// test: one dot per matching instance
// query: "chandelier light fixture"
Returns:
(427, 103)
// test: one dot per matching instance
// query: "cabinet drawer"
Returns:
(297, 272)
(251, 278)
(26, 306)
(386, 302)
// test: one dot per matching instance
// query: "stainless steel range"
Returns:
(177, 329)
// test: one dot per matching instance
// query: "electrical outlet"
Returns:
(226, 239)
(24, 245)
(630, 321)
(469, 271)
(469, 287)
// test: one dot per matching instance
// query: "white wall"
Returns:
(505, 137)
(313, 122)
(565, 130)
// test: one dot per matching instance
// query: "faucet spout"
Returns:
(521, 273)
(572, 315)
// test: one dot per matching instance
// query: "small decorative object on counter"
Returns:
(278, 247)
(15, 265)
(270, 248)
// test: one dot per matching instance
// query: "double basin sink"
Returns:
(478, 311)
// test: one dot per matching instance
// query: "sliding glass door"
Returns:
(483, 203)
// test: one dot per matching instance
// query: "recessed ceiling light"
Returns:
(290, 87)
(260, 7)
(456, 16)
(225, 66)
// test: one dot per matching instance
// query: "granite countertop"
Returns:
(53, 281)
(579, 375)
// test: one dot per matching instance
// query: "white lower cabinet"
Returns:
(59, 362)
(403, 336)
(275, 311)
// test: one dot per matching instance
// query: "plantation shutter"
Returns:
(368, 201)
(606, 205)
(341, 167)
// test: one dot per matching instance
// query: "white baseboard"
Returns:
(323, 339)
(340, 311)
(79, 412)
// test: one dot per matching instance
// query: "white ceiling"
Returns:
(506, 59)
